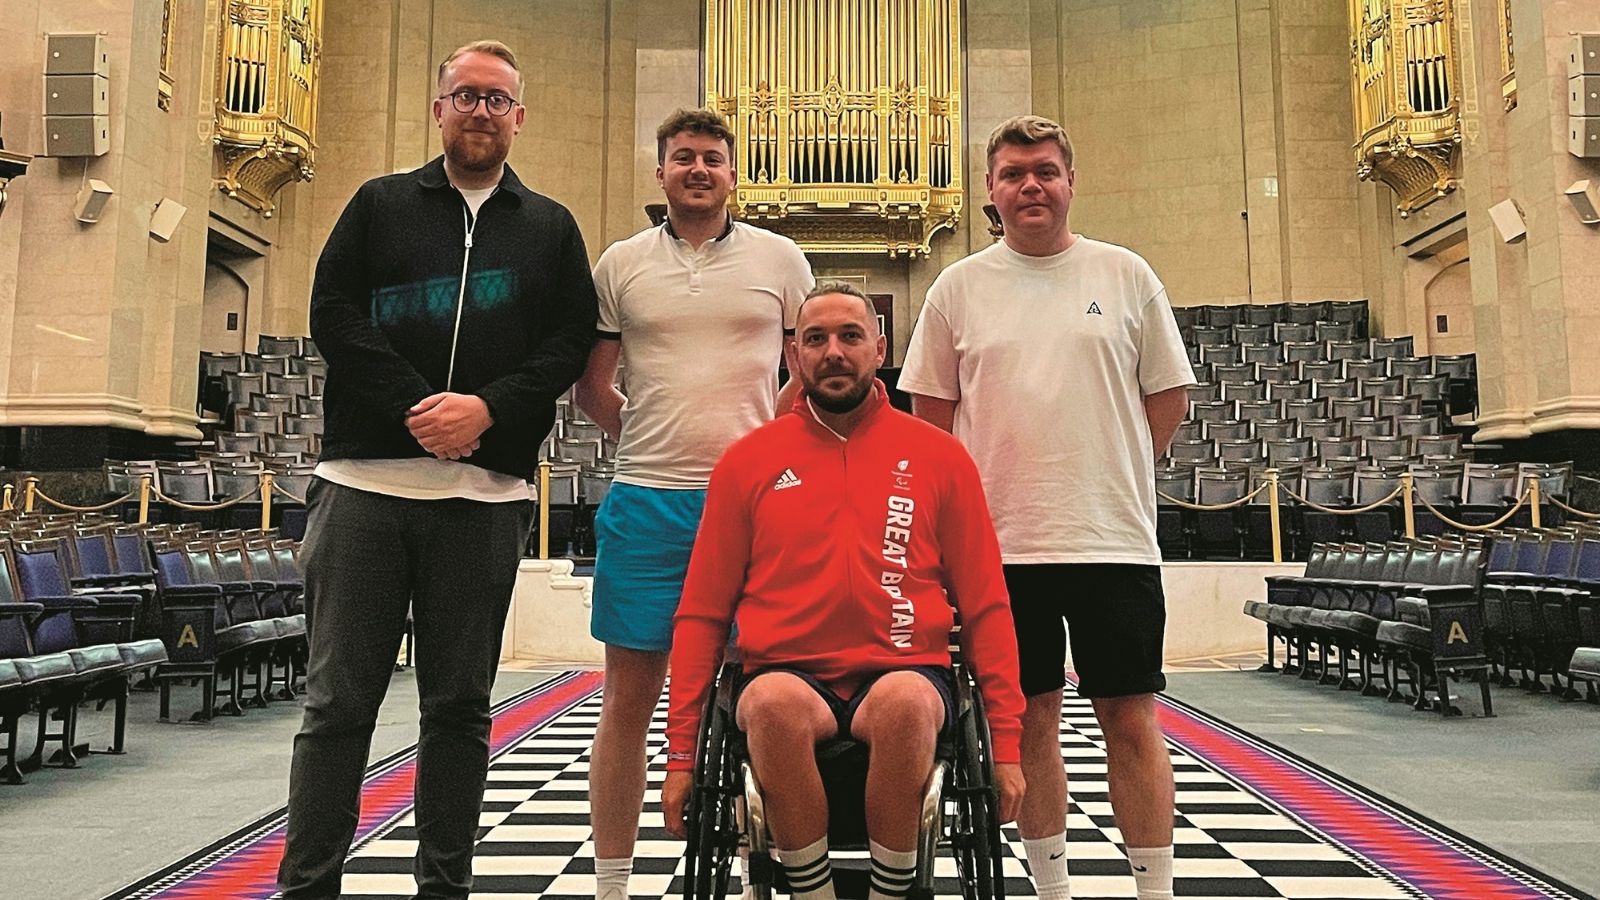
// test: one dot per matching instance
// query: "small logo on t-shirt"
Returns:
(787, 480)
(1094, 309)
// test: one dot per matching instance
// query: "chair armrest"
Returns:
(75, 601)
(179, 591)
(98, 581)
(20, 609)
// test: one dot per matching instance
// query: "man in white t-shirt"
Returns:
(1056, 360)
(696, 310)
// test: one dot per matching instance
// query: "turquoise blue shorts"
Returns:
(643, 537)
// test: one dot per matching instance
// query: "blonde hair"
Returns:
(492, 48)
(1026, 131)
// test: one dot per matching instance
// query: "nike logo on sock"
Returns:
(1058, 855)
(1140, 869)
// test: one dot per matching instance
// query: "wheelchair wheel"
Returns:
(713, 839)
(975, 839)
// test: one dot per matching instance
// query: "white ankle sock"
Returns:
(892, 872)
(1047, 860)
(611, 878)
(807, 870)
(1152, 871)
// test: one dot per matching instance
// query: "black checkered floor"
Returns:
(535, 840)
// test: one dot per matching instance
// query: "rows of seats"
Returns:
(582, 460)
(1471, 493)
(212, 477)
(267, 404)
(1392, 620)
(1541, 602)
(89, 604)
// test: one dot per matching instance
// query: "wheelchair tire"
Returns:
(975, 833)
(713, 833)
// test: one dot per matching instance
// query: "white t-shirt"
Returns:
(1049, 359)
(702, 332)
(425, 478)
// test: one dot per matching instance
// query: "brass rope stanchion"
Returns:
(544, 509)
(1408, 485)
(29, 488)
(1272, 506)
(144, 499)
(5, 498)
(1486, 527)
(266, 500)
(1533, 497)
(1576, 512)
(1232, 504)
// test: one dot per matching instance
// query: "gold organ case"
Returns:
(1407, 97)
(269, 52)
(847, 118)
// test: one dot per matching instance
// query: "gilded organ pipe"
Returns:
(847, 114)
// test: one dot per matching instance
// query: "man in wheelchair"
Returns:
(830, 538)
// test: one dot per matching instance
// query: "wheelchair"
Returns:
(959, 811)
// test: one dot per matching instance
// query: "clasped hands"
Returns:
(449, 425)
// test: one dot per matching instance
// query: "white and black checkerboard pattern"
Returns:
(535, 840)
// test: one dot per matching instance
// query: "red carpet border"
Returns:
(244, 865)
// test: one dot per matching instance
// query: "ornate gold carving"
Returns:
(1508, 56)
(1407, 102)
(848, 117)
(268, 57)
(164, 82)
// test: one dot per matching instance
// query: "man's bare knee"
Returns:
(1129, 721)
(904, 705)
(779, 704)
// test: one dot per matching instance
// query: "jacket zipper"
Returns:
(470, 223)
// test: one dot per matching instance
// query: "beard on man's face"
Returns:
(475, 151)
(841, 402)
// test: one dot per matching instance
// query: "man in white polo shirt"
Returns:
(1057, 362)
(697, 309)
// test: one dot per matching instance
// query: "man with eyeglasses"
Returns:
(454, 306)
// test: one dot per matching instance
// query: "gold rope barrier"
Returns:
(197, 507)
(1577, 512)
(1486, 527)
(1232, 504)
(67, 507)
(285, 491)
(1346, 512)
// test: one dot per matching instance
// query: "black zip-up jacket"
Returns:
(383, 314)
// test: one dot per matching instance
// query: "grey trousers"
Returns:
(367, 558)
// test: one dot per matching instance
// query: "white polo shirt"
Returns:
(702, 332)
(1049, 360)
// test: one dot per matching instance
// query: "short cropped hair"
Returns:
(1025, 131)
(825, 288)
(493, 48)
(694, 121)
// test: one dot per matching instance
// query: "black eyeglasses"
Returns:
(466, 102)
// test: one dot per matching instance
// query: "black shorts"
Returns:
(1115, 614)
(845, 710)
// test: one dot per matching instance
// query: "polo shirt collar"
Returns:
(726, 229)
